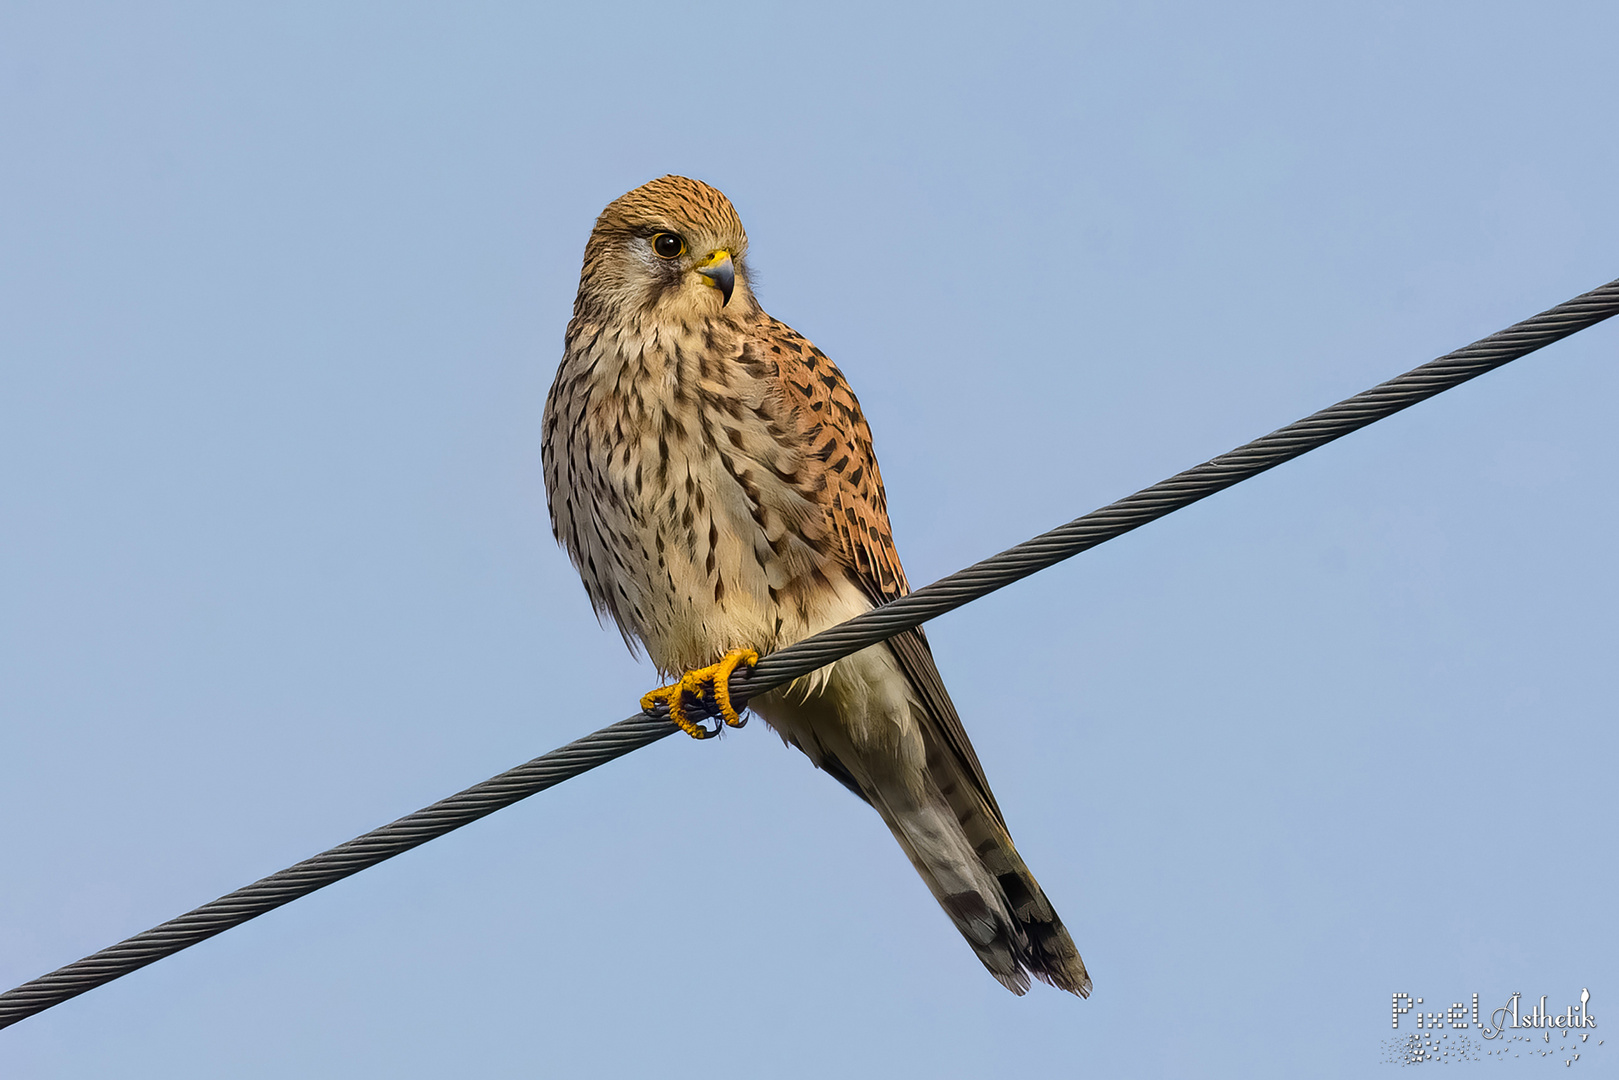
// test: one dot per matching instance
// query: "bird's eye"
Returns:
(667, 245)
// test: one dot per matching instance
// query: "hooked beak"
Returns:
(718, 271)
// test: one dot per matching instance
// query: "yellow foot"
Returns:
(715, 678)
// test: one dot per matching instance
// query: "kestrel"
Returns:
(711, 475)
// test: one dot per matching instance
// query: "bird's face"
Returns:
(670, 249)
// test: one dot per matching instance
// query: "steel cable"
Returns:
(808, 655)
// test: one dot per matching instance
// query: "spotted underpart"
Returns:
(711, 475)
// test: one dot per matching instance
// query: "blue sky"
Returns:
(281, 294)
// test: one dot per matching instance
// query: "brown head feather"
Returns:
(621, 274)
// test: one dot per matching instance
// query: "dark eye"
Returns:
(667, 245)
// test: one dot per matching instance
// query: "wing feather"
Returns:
(838, 442)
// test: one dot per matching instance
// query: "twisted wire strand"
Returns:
(1180, 490)
(816, 652)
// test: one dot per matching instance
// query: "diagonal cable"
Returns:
(947, 594)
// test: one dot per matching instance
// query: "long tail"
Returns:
(970, 864)
(943, 814)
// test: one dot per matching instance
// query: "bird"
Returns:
(710, 474)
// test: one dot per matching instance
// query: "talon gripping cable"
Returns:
(944, 595)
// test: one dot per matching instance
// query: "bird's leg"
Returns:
(715, 677)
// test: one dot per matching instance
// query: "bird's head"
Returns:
(671, 248)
